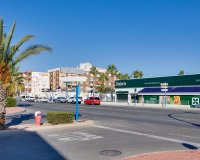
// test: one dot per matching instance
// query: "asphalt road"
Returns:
(118, 132)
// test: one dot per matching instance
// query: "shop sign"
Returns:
(195, 101)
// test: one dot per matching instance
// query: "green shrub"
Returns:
(10, 102)
(60, 117)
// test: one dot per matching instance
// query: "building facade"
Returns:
(36, 83)
(180, 90)
(65, 79)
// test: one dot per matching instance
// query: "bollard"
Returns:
(38, 118)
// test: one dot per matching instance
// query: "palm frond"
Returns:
(1, 31)
(32, 50)
(16, 47)
(9, 38)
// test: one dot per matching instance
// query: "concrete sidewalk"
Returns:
(14, 110)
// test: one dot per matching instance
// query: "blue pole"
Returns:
(77, 92)
(165, 99)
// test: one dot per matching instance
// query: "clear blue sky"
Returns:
(159, 37)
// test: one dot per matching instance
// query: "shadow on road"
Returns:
(22, 144)
(24, 104)
(19, 119)
(174, 114)
(189, 146)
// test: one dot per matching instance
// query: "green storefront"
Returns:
(184, 90)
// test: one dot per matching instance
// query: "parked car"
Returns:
(38, 99)
(60, 100)
(43, 99)
(30, 99)
(21, 98)
(73, 100)
(92, 100)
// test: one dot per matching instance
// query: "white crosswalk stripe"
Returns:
(75, 136)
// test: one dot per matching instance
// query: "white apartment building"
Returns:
(36, 83)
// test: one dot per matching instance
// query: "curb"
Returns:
(45, 126)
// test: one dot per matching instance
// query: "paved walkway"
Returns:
(170, 155)
(173, 155)
(14, 110)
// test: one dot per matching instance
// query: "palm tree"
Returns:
(181, 73)
(102, 79)
(126, 76)
(10, 55)
(112, 70)
(16, 83)
(2, 106)
(137, 74)
(121, 76)
(94, 71)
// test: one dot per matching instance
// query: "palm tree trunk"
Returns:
(2, 107)
(2, 115)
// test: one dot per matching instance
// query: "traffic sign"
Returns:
(164, 90)
(164, 85)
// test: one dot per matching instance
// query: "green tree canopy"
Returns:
(94, 71)
(181, 73)
(137, 74)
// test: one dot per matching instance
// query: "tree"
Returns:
(181, 73)
(2, 106)
(101, 80)
(94, 71)
(112, 70)
(11, 56)
(121, 76)
(16, 84)
(125, 77)
(137, 74)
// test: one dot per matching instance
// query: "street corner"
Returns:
(48, 126)
(167, 155)
(14, 110)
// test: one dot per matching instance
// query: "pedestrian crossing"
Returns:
(75, 136)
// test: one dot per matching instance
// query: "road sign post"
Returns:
(164, 88)
(77, 93)
(135, 90)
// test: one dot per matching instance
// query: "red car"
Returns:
(92, 100)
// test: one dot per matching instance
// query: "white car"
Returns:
(43, 99)
(73, 100)
(30, 99)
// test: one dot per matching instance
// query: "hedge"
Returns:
(60, 117)
(10, 102)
